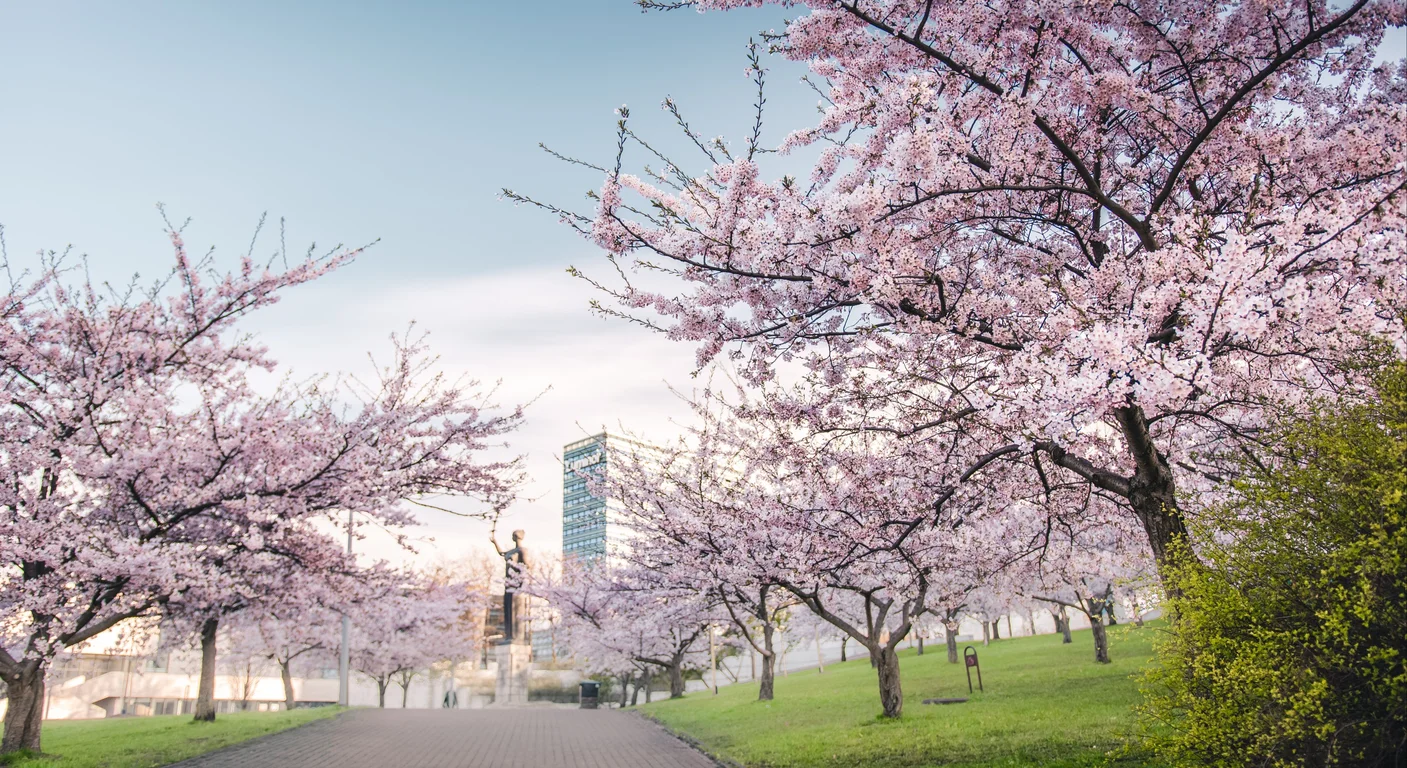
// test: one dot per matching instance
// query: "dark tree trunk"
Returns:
(1094, 609)
(287, 675)
(649, 687)
(843, 642)
(1101, 640)
(996, 629)
(405, 696)
(769, 662)
(635, 694)
(25, 715)
(624, 690)
(891, 695)
(1152, 493)
(951, 630)
(986, 633)
(920, 645)
(676, 678)
(205, 695)
(766, 690)
(381, 685)
(1065, 626)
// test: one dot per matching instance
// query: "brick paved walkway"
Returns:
(427, 738)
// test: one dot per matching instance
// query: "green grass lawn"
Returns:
(1046, 704)
(145, 742)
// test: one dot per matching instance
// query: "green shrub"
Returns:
(1288, 638)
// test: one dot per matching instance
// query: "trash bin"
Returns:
(590, 694)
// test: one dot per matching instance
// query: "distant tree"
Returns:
(1084, 568)
(287, 639)
(403, 633)
(951, 616)
(624, 620)
(679, 499)
(245, 670)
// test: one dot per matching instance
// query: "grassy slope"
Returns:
(1046, 704)
(142, 742)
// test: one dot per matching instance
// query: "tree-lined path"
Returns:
(522, 738)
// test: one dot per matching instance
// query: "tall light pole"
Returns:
(344, 660)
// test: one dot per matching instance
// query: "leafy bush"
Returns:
(1287, 646)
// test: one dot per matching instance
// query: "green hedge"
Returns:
(1287, 646)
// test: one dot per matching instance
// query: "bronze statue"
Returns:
(515, 605)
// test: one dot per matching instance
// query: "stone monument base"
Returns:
(515, 667)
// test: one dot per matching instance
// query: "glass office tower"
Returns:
(585, 517)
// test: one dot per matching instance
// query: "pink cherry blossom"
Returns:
(1060, 243)
(144, 472)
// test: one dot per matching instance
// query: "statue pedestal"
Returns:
(514, 670)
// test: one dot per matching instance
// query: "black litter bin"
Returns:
(590, 694)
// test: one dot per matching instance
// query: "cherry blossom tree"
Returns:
(135, 450)
(298, 572)
(577, 593)
(288, 638)
(411, 437)
(840, 521)
(1100, 242)
(625, 617)
(580, 599)
(848, 520)
(877, 598)
(987, 606)
(690, 511)
(1061, 617)
(951, 617)
(92, 377)
(398, 635)
(454, 635)
(1084, 569)
(288, 611)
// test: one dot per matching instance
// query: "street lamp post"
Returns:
(344, 660)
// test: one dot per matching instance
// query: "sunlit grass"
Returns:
(1045, 704)
(145, 742)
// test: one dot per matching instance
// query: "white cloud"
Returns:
(529, 329)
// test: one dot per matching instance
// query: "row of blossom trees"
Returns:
(145, 473)
(748, 525)
(1054, 269)
(403, 623)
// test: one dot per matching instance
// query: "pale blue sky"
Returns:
(358, 121)
(353, 120)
